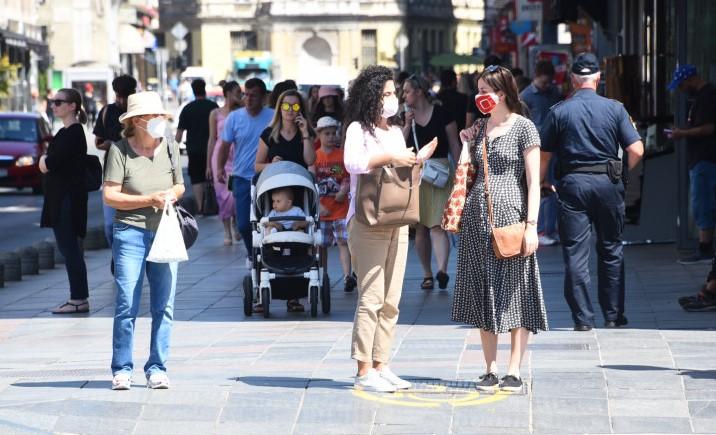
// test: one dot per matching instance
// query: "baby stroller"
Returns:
(286, 263)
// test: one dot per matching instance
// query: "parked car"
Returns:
(24, 137)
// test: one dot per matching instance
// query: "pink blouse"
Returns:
(360, 146)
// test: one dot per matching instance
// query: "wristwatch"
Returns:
(531, 222)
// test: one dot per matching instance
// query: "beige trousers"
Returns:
(378, 256)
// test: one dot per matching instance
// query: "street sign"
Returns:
(179, 30)
(180, 45)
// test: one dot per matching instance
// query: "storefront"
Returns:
(22, 59)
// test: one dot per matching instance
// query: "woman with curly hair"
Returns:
(372, 140)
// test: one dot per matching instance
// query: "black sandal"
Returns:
(428, 283)
(293, 306)
(443, 279)
(70, 308)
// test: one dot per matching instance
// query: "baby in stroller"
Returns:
(287, 263)
(282, 206)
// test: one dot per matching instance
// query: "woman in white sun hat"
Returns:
(139, 177)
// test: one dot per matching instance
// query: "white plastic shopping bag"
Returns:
(168, 245)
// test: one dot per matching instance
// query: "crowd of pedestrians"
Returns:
(524, 145)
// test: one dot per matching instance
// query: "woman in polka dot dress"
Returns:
(497, 295)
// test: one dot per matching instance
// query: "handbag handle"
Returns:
(486, 178)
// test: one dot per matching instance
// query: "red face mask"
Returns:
(486, 102)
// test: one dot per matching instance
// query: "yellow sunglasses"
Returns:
(295, 107)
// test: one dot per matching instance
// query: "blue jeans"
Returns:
(108, 213)
(702, 180)
(68, 243)
(241, 188)
(130, 249)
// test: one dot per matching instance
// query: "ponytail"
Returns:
(73, 96)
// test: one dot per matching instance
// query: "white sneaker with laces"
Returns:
(391, 377)
(121, 381)
(373, 381)
(158, 381)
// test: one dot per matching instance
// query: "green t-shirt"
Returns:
(141, 175)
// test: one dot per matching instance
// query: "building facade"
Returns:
(23, 55)
(321, 41)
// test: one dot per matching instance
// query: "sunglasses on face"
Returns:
(58, 103)
(295, 107)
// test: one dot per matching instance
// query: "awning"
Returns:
(21, 41)
(451, 59)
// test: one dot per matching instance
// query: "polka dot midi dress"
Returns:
(493, 294)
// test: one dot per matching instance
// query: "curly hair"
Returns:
(365, 97)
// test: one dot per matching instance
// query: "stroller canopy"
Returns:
(286, 174)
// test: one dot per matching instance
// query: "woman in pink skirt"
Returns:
(232, 98)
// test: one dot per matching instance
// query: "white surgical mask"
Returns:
(156, 127)
(390, 106)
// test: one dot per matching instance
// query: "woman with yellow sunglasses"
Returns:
(289, 136)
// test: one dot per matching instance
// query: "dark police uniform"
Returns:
(585, 132)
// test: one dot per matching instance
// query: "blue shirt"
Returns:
(244, 130)
(539, 102)
(587, 129)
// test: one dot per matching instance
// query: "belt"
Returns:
(587, 169)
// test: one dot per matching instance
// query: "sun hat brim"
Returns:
(139, 112)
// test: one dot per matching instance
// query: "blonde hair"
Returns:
(277, 121)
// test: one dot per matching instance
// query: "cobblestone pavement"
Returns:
(292, 374)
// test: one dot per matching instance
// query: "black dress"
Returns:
(289, 150)
(66, 164)
(493, 294)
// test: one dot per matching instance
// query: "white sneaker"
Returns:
(121, 381)
(391, 377)
(158, 381)
(373, 381)
(545, 240)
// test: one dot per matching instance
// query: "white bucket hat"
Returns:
(143, 103)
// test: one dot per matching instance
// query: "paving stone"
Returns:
(648, 408)
(623, 424)
(547, 406)
(561, 423)
(704, 425)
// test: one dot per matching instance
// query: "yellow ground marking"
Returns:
(414, 399)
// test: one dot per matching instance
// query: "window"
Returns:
(369, 39)
(243, 41)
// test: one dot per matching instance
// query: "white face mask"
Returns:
(390, 106)
(156, 127)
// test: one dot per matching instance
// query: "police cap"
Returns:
(585, 64)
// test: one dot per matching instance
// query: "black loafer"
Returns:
(582, 328)
(621, 321)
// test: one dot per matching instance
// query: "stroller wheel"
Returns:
(248, 295)
(265, 301)
(326, 296)
(314, 301)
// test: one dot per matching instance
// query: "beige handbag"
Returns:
(506, 241)
(388, 197)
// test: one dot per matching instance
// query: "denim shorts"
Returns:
(702, 178)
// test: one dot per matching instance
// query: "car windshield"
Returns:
(20, 130)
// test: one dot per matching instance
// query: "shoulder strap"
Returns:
(415, 136)
(486, 170)
(104, 116)
(169, 144)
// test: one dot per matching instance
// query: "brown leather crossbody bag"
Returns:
(507, 240)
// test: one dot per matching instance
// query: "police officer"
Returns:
(586, 132)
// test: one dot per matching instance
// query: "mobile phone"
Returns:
(407, 108)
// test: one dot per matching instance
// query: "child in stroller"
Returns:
(284, 217)
(282, 205)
